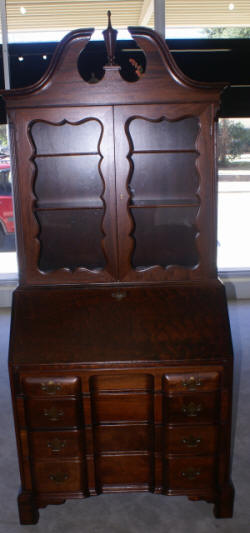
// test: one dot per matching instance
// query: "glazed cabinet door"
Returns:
(164, 175)
(144, 212)
(66, 187)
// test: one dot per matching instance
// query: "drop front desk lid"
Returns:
(71, 325)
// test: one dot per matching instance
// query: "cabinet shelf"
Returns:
(68, 205)
(166, 202)
(65, 154)
(167, 151)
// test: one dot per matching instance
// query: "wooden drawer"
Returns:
(191, 382)
(51, 385)
(52, 413)
(190, 473)
(122, 407)
(192, 408)
(124, 469)
(191, 440)
(124, 438)
(47, 444)
(58, 477)
(119, 382)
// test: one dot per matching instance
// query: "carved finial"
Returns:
(109, 19)
(110, 40)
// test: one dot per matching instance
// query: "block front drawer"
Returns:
(48, 413)
(122, 469)
(58, 476)
(45, 444)
(190, 408)
(190, 473)
(122, 407)
(50, 385)
(124, 438)
(191, 382)
(191, 440)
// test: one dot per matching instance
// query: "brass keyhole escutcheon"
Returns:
(51, 387)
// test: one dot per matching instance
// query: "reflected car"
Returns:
(7, 228)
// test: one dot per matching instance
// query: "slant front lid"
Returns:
(111, 325)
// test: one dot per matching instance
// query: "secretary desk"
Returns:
(120, 348)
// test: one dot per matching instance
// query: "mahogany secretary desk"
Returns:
(120, 350)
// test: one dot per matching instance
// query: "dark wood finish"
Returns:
(224, 503)
(193, 440)
(28, 512)
(196, 382)
(192, 408)
(190, 473)
(98, 324)
(50, 386)
(66, 476)
(55, 413)
(125, 384)
(46, 444)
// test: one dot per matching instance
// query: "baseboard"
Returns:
(238, 287)
(6, 290)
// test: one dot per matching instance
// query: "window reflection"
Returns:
(234, 193)
(8, 263)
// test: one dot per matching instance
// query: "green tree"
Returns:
(233, 140)
(3, 136)
(227, 32)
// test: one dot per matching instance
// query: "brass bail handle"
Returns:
(51, 387)
(56, 445)
(59, 477)
(192, 409)
(192, 383)
(191, 441)
(191, 473)
(53, 413)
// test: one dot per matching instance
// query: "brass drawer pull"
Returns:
(51, 387)
(192, 383)
(56, 445)
(192, 409)
(60, 477)
(191, 442)
(191, 474)
(53, 413)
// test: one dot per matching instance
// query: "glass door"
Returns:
(72, 181)
(160, 191)
(68, 187)
(163, 188)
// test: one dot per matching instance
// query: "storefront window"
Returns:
(234, 194)
(8, 262)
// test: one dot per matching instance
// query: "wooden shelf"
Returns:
(166, 202)
(62, 206)
(178, 151)
(67, 154)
